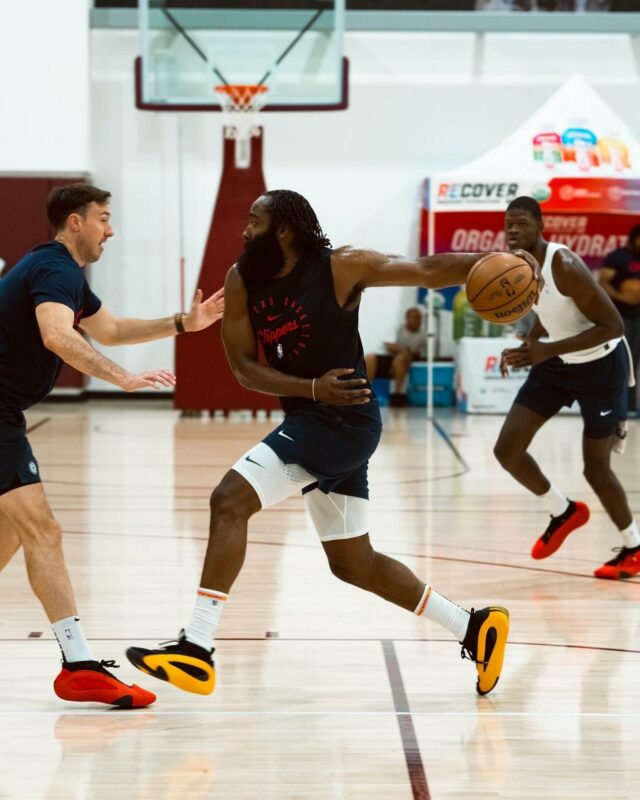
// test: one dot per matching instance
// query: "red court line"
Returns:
(476, 562)
(422, 639)
(415, 767)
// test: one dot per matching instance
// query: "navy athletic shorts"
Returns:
(599, 387)
(333, 445)
(18, 467)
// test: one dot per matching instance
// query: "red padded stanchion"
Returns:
(204, 380)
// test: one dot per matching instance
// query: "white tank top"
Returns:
(562, 318)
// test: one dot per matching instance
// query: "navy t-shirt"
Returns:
(626, 265)
(48, 273)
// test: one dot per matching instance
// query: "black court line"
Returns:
(37, 425)
(447, 440)
(412, 756)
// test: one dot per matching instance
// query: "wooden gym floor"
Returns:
(324, 692)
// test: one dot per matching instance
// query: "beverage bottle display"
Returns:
(467, 323)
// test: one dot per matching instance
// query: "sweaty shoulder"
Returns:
(357, 262)
(569, 271)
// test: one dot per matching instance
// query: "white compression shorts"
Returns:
(335, 516)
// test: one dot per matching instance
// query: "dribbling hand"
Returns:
(537, 271)
(331, 390)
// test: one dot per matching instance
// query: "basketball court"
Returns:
(324, 692)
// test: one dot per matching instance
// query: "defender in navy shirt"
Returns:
(298, 298)
(44, 300)
(28, 370)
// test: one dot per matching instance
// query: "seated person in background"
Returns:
(410, 345)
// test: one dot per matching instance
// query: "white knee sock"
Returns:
(631, 535)
(437, 608)
(206, 616)
(71, 639)
(555, 501)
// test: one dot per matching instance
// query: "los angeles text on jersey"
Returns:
(478, 192)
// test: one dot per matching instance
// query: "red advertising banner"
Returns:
(589, 235)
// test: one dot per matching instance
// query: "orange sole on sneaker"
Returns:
(496, 624)
(88, 686)
(580, 517)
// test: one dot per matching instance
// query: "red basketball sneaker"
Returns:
(89, 682)
(625, 565)
(559, 528)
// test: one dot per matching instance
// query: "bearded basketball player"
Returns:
(297, 297)
(586, 361)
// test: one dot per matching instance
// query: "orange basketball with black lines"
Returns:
(501, 287)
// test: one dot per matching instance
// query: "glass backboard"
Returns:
(294, 48)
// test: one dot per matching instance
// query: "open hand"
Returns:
(152, 379)
(335, 392)
(205, 313)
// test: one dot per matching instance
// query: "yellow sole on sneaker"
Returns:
(492, 639)
(184, 672)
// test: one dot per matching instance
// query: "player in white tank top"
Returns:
(584, 361)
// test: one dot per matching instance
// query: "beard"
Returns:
(261, 259)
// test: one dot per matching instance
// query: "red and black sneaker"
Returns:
(90, 682)
(625, 565)
(559, 528)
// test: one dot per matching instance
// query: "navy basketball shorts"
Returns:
(599, 387)
(18, 466)
(325, 456)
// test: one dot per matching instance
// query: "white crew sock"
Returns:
(555, 501)
(206, 616)
(631, 535)
(437, 608)
(71, 639)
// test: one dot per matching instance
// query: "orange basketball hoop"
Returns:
(241, 104)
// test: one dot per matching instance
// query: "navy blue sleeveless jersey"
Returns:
(48, 273)
(305, 332)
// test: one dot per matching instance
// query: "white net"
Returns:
(240, 108)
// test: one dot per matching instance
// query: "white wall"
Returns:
(44, 86)
(419, 102)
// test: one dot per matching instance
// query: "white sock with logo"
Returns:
(72, 640)
(556, 502)
(435, 607)
(631, 535)
(205, 618)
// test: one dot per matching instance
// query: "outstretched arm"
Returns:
(109, 330)
(356, 269)
(55, 321)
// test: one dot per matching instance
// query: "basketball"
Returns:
(501, 287)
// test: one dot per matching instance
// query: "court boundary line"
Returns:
(352, 639)
(37, 425)
(302, 545)
(410, 746)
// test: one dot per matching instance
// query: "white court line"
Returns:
(113, 713)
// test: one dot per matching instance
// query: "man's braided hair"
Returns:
(293, 210)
